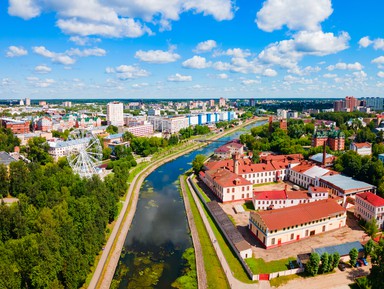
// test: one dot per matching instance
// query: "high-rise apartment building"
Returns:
(376, 103)
(27, 101)
(221, 102)
(115, 114)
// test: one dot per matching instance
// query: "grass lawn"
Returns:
(259, 266)
(205, 197)
(264, 184)
(248, 206)
(215, 275)
(136, 170)
(282, 280)
(232, 260)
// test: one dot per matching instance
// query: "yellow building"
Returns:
(282, 226)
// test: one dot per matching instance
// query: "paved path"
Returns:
(233, 282)
(200, 268)
(105, 269)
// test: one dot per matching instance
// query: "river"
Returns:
(159, 234)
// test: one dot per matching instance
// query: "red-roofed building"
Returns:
(271, 169)
(226, 185)
(305, 174)
(230, 148)
(369, 206)
(363, 148)
(283, 226)
(268, 200)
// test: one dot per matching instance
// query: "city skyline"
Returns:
(191, 49)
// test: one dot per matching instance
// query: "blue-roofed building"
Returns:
(343, 186)
(342, 249)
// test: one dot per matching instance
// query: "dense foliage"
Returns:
(7, 140)
(341, 117)
(278, 140)
(363, 168)
(49, 239)
(375, 278)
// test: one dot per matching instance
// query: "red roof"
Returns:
(371, 198)
(270, 195)
(303, 167)
(226, 178)
(361, 145)
(297, 215)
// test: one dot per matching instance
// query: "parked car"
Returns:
(365, 262)
(357, 264)
(342, 266)
(291, 266)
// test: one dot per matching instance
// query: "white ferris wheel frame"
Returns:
(85, 159)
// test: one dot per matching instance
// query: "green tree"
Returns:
(376, 274)
(198, 163)
(312, 267)
(4, 181)
(37, 150)
(371, 227)
(324, 263)
(353, 254)
(335, 260)
(106, 153)
(18, 178)
(111, 129)
(368, 247)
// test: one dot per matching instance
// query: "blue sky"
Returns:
(191, 49)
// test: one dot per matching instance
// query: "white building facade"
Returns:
(115, 113)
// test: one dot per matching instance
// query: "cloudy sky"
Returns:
(191, 48)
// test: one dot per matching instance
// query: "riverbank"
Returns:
(109, 259)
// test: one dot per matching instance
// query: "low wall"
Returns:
(245, 265)
(285, 273)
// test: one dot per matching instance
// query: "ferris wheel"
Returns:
(85, 153)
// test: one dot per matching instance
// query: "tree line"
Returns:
(50, 237)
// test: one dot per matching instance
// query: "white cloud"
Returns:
(43, 69)
(86, 52)
(380, 74)
(66, 57)
(196, 62)
(345, 66)
(55, 57)
(378, 43)
(222, 76)
(304, 71)
(179, 78)
(365, 42)
(25, 9)
(295, 14)
(205, 46)
(360, 74)
(250, 81)
(124, 72)
(270, 72)
(287, 53)
(82, 41)
(118, 18)
(329, 75)
(15, 51)
(42, 83)
(221, 66)
(157, 56)
(378, 60)
(238, 52)
(140, 85)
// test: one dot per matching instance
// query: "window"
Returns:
(242, 188)
(292, 236)
(273, 241)
(233, 190)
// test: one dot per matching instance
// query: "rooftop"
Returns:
(300, 214)
(319, 157)
(346, 183)
(371, 198)
(342, 249)
(226, 178)
(361, 145)
(6, 159)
